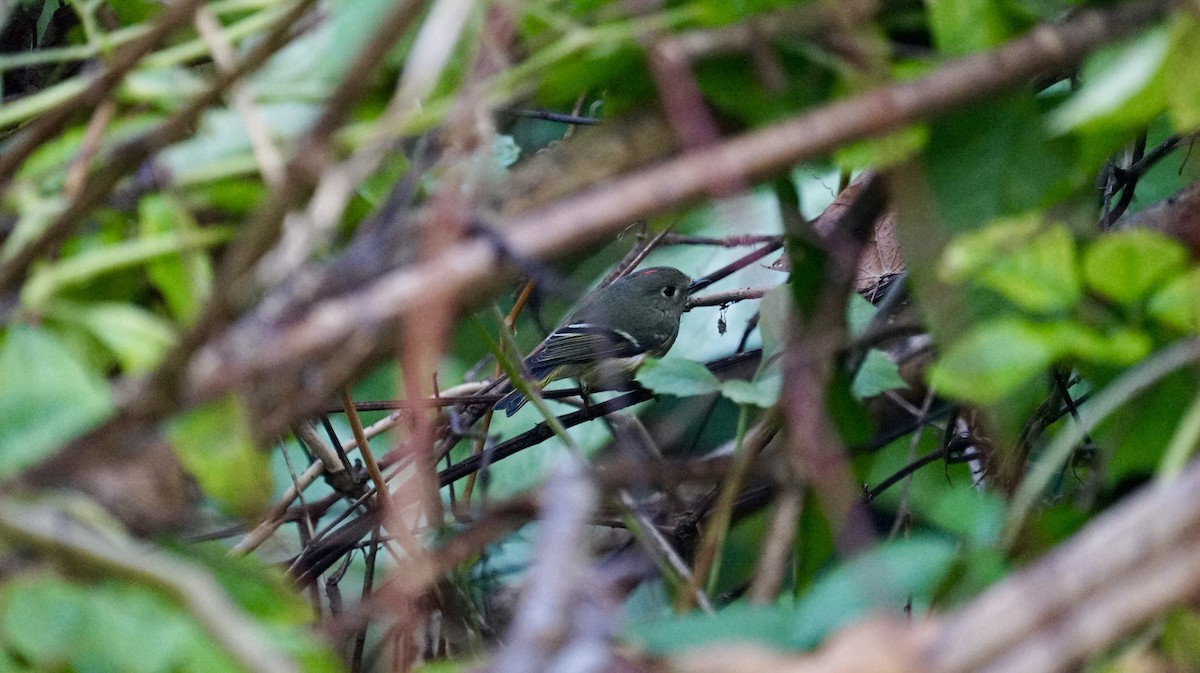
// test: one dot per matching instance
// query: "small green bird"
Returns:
(605, 340)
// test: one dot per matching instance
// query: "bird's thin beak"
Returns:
(698, 284)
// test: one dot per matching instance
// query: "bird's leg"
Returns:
(584, 395)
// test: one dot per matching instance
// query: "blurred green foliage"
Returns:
(1012, 212)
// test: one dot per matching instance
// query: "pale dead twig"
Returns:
(266, 154)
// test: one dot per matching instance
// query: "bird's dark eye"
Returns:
(669, 291)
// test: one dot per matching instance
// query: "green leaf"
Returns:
(974, 515)
(42, 619)
(264, 591)
(137, 337)
(89, 265)
(762, 391)
(964, 26)
(995, 160)
(112, 626)
(1040, 276)
(970, 252)
(46, 397)
(888, 577)
(214, 443)
(1127, 265)
(993, 360)
(1124, 87)
(36, 213)
(736, 623)
(183, 278)
(166, 87)
(884, 151)
(1181, 638)
(1178, 304)
(1136, 436)
(976, 569)
(997, 357)
(130, 628)
(677, 376)
(1183, 63)
(1119, 346)
(722, 79)
(877, 375)
(859, 313)
(222, 138)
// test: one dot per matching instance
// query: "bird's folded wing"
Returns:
(583, 342)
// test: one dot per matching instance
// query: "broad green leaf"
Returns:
(111, 626)
(993, 360)
(815, 548)
(976, 569)
(1137, 435)
(137, 337)
(997, 357)
(351, 20)
(969, 253)
(940, 495)
(723, 81)
(859, 313)
(215, 446)
(1127, 265)
(89, 265)
(134, 11)
(995, 160)
(132, 629)
(877, 375)
(46, 397)
(884, 151)
(8, 662)
(36, 214)
(964, 26)
(1178, 304)
(1124, 87)
(1181, 638)
(897, 573)
(42, 619)
(885, 578)
(977, 516)
(738, 623)
(1119, 346)
(183, 278)
(1183, 63)
(762, 391)
(1040, 276)
(222, 139)
(677, 376)
(264, 591)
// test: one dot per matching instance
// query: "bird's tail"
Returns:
(511, 402)
(514, 400)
